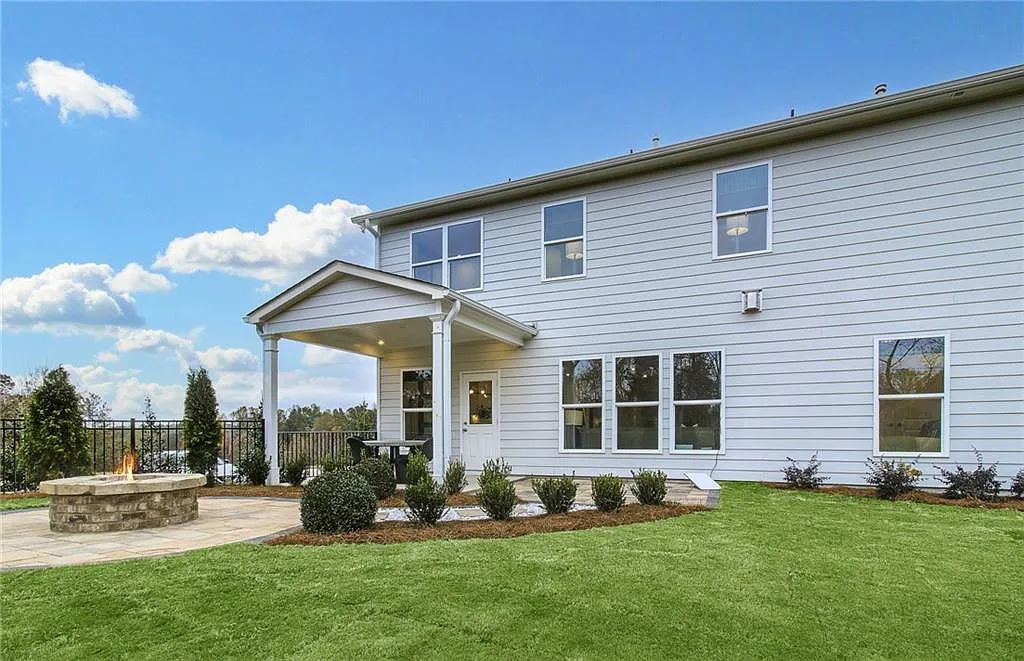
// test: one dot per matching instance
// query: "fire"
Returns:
(127, 467)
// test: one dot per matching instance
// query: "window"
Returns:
(743, 211)
(697, 401)
(582, 405)
(417, 405)
(911, 387)
(450, 255)
(564, 238)
(637, 404)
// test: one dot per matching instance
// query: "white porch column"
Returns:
(441, 366)
(270, 406)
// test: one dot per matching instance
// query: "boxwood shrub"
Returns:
(497, 498)
(426, 501)
(608, 492)
(494, 469)
(649, 486)
(337, 502)
(557, 494)
(380, 474)
(294, 470)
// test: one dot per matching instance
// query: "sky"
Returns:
(167, 167)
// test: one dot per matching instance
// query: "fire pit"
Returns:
(122, 501)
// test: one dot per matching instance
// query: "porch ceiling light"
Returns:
(380, 342)
(737, 225)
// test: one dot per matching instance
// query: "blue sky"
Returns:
(225, 113)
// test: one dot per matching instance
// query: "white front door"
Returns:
(480, 395)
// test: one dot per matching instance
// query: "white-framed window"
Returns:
(742, 200)
(698, 410)
(563, 238)
(581, 405)
(449, 255)
(637, 424)
(912, 395)
(417, 404)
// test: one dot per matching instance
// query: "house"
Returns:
(848, 283)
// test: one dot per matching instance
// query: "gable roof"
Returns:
(1002, 82)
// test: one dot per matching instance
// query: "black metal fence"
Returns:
(316, 446)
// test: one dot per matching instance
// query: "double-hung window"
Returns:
(697, 401)
(449, 255)
(582, 405)
(742, 210)
(417, 405)
(637, 403)
(564, 239)
(911, 395)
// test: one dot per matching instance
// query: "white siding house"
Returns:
(883, 243)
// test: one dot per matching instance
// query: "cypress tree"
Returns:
(55, 444)
(200, 426)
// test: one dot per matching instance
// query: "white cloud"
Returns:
(107, 357)
(126, 394)
(134, 278)
(295, 242)
(313, 355)
(228, 359)
(76, 91)
(153, 340)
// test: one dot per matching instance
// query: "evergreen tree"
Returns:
(55, 444)
(200, 427)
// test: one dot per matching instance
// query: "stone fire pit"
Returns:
(102, 503)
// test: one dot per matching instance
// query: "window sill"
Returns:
(703, 452)
(564, 277)
(658, 451)
(566, 451)
(754, 253)
(936, 455)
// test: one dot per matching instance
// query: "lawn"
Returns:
(7, 504)
(771, 574)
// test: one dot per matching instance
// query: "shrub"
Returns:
(455, 477)
(54, 443)
(328, 464)
(426, 501)
(418, 468)
(556, 493)
(804, 478)
(12, 473)
(336, 502)
(255, 468)
(649, 486)
(891, 478)
(609, 492)
(200, 426)
(497, 498)
(380, 474)
(1017, 486)
(494, 469)
(979, 483)
(294, 470)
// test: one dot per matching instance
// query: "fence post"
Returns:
(131, 436)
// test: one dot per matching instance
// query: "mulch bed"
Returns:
(394, 532)
(1006, 503)
(249, 491)
(18, 495)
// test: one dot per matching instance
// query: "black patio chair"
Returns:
(357, 450)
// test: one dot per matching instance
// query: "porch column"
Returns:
(441, 366)
(270, 406)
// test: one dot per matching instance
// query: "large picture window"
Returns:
(582, 405)
(564, 239)
(697, 401)
(417, 405)
(637, 403)
(911, 392)
(743, 211)
(449, 255)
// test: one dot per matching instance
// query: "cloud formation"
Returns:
(75, 91)
(313, 355)
(294, 243)
(228, 359)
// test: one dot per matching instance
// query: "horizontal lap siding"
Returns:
(350, 301)
(915, 226)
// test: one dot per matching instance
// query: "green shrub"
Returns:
(201, 427)
(494, 469)
(12, 473)
(426, 501)
(609, 492)
(294, 470)
(337, 502)
(649, 486)
(418, 468)
(455, 477)
(1017, 486)
(255, 468)
(556, 493)
(380, 474)
(54, 443)
(328, 464)
(806, 477)
(892, 478)
(980, 483)
(497, 498)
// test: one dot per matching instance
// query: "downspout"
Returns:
(446, 393)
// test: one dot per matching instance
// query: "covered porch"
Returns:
(374, 313)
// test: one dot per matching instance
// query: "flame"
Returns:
(127, 467)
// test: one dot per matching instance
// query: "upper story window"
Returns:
(449, 255)
(564, 239)
(911, 395)
(743, 211)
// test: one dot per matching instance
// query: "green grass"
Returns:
(8, 504)
(770, 575)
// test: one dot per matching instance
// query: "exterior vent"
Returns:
(751, 301)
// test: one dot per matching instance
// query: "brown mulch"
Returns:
(929, 498)
(394, 532)
(18, 495)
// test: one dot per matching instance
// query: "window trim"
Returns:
(544, 244)
(561, 407)
(673, 402)
(445, 259)
(401, 398)
(714, 210)
(616, 404)
(944, 440)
